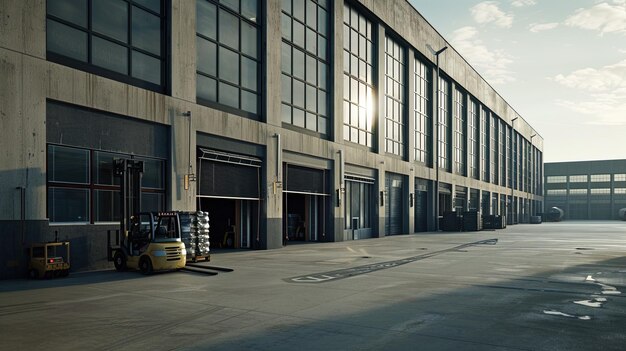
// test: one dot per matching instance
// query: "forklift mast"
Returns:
(130, 173)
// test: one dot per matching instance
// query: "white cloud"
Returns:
(522, 3)
(489, 12)
(607, 93)
(491, 64)
(540, 27)
(604, 17)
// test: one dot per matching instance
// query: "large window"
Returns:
(304, 63)
(228, 55)
(423, 110)
(119, 39)
(83, 189)
(358, 77)
(578, 178)
(395, 63)
(600, 178)
(502, 151)
(472, 126)
(459, 132)
(444, 124)
(509, 164)
(493, 149)
(556, 179)
(484, 144)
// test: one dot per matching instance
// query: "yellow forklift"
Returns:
(148, 241)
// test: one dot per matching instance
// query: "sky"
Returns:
(561, 64)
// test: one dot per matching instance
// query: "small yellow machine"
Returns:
(49, 260)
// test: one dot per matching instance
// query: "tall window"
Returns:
(228, 55)
(459, 132)
(358, 77)
(493, 149)
(119, 39)
(484, 144)
(304, 64)
(444, 124)
(82, 187)
(502, 151)
(509, 164)
(422, 113)
(395, 69)
(472, 126)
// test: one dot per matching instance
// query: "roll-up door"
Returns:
(224, 175)
(421, 205)
(393, 208)
(305, 180)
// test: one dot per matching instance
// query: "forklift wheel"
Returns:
(33, 274)
(145, 265)
(119, 260)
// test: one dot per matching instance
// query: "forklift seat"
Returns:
(161, 232)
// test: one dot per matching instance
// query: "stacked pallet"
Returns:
(195, 234)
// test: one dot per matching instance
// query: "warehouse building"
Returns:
(286, 120)
(587, 190)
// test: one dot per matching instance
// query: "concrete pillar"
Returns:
(380, 195)
(336, 69)
(182, 154)
(183, 66)
(379, 104)
(410, 133)
(272, 35)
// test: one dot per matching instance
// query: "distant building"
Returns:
(314, 120)
(586, 189)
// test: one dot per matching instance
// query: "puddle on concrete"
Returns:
(557, 313)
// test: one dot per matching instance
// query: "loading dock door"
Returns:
(421, 205)
(393, 207)
(305, 203)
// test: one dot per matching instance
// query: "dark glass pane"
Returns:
(287, 6)
(248, 73)
(151, 202)
(285, 24)
(68, 205)
(321, 75)
(228, 95)
(298, 9)
(228, 65)
(109, 55)
(146, 31)
(152, 174)
(321, 102)
(249, 39)
(321, 47)
(206, 56)
(311, 41)
(311, 121)
(154, 5)
(146, 67)
(107, 206)
(286, 113)
(298, 63)
(206, 19)
(298, 93)
(249, 101)
(311, 98)
(298, 33)
(298, 117)
(321, 125)
(206, 88)
(68, 165)
(104, 169)
(322, 22)
(311, 14)
(285, 58)
(233, 4)
(249, 9)
(74, 11)
(110, 17)
(229, 29)
(311, 69)
(323, 3)
(66, 41)
(285, 85)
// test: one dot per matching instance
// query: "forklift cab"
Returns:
(148, 227)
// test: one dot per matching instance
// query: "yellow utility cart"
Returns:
(49, 260)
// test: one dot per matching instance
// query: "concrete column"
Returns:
(23, 111)
(272, 237)
(410, 132)
(183, 77)
(381, 206)
(466, 103)
(453, 143)
(336, 71)
(182, 154)
(272, 35)
(337, 189)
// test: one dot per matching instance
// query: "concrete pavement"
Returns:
(555, 286)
